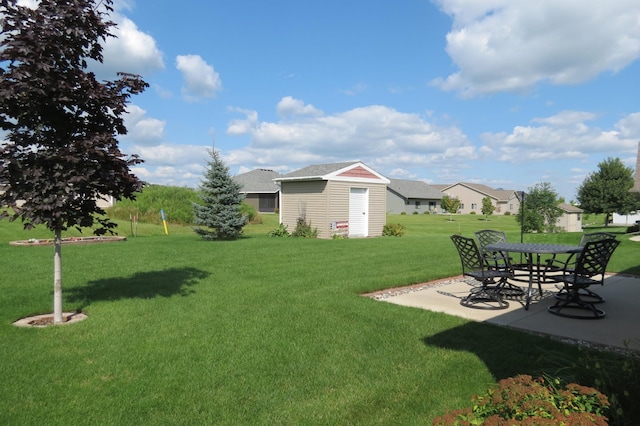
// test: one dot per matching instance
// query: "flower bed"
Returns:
(70, 240)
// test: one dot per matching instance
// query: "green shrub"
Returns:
(393, 230)
(304, 230)
(615, 375)
(280, 231)
(532, 402)
(177, 203)
(415, 212)
(472, 213)
(403, 213)
(632, 229)
(507, 213)
(250, 212)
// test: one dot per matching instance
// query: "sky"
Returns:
(506, 93)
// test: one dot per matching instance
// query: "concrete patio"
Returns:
(619, 329)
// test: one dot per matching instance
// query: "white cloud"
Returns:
(200, 79)
(502, 45)
(375, 134)
(290, 106)
(142, 130)
(31, 4)
(564, 136)
(131, 51)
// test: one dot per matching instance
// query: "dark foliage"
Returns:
(61, 151)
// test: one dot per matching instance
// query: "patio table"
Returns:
(532, 252)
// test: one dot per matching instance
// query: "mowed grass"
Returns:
(255, 331)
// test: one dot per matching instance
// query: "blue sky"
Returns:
(507, 93)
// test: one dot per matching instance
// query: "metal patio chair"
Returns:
(487, 295)
(554, 265)
(498, 260)
(588, 270)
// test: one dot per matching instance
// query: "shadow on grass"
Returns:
(143, 285)
(505, 352)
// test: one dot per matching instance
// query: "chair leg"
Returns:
(506, 289)
(573, 306)
(484, 298)
(585, 294)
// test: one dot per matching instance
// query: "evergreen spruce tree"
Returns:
(219, 211)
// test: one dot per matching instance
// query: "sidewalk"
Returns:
(620, 328)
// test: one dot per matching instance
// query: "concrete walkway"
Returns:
(620, 328)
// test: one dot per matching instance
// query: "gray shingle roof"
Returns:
(318, 170)
(414, 189)
(569, 208)
(258, 181)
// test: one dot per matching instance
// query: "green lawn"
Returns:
(255, 331)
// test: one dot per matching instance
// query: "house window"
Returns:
(510, 206)
(432, 206)
(267, 203)
(461, 206)
(417, 205)
(474, 206)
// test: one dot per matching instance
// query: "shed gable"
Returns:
(358, 172)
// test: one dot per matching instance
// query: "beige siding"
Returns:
(377, 209)
(470, 199)
(339, 196)
(570, 222)
(307, 198)
(324, 202)
(253, 200)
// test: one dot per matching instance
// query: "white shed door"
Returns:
(359, 212)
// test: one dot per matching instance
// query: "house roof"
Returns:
(354, 171)
(498, 194)
(568, 208)
(414, 189)
(258, 181)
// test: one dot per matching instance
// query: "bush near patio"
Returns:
(532, 401)
(264, 330)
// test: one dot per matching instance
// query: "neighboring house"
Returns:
(260, 189)
(102, 201)
(571, 219)
(409, 196)
(471, 195)
(346, 199)
(636, 180)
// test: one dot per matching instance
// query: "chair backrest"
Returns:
(596, 236)
(595, 256)
(469, 253)
(490, 236)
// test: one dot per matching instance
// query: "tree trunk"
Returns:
(57, 277)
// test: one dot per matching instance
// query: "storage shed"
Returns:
(345, 199)
(571, 219)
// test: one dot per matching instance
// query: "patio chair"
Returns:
(487, 295)
(554, 265)
(589, 269)
(498, 260)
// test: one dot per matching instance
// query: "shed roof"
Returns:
(354, 171)
(258, 181)
(414, 189)
(568, 208)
